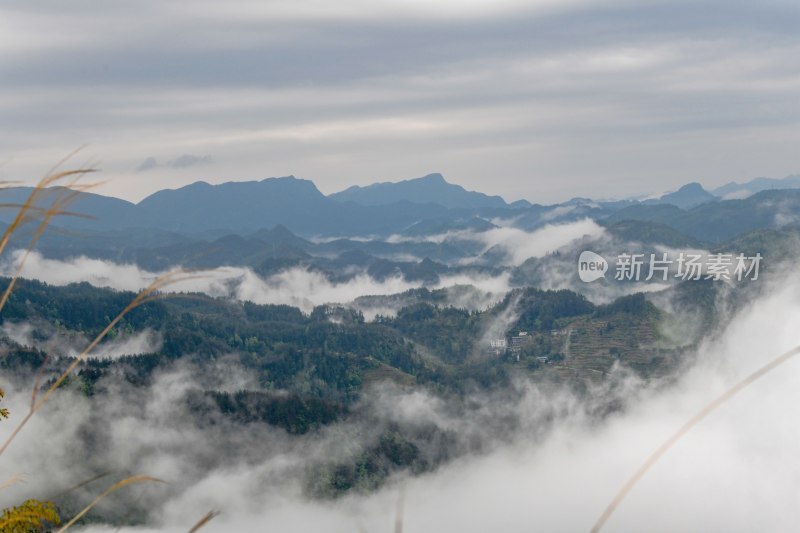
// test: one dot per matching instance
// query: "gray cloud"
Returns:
(189, 160)
(148, 164)
(184, 161)
(547, 100)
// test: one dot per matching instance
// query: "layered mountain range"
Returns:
(425, 205)
(413, 227)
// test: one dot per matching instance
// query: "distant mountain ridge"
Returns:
(234, 207)
(432, 188)
(735, 190)
(722, 220)
(414, 208)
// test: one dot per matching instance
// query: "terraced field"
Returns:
(591, 346)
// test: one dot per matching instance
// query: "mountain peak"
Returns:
(290, 177)
(428, 189)
(688, 196)
(432, 178)
(200, 184)
(691, 187)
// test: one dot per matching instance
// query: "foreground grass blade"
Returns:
(400, 510)
(208, 517)
(13, 480)
(127, 481)
(670, 442)
(147, 295)
(79, 485)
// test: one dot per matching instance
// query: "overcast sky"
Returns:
(543, 100)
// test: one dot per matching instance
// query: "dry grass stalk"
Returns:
(69, 189)
(670, 442)
(147, 295)
(118, 485)
(46, 215)
(208, 517)
(13, 480)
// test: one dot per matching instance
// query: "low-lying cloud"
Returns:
(519, 245)
(553, 469)
(43, 336)
(298, 287)
(513, 245)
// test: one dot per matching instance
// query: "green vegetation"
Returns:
(31, 516)
(311, 368)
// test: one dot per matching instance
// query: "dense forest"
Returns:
(312, 369)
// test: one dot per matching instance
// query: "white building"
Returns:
(498, 347)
